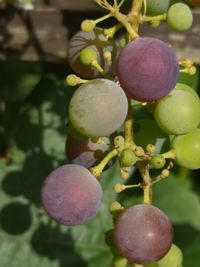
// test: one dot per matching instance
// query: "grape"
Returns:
(188, 149)
(95, 40)
(149, 133)
(179, 17)
(156, 7)
(143, 234)
(85, 152)
(128, 157)
(158, 161)
(178, 113)
(147, 69)
(71, 195)
(98, 108)
(173, 258)
(182, 86)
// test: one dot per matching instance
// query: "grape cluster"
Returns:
(116, 79)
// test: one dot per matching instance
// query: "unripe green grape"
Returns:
(157, 161)
(178, 113)
(88, 55)
(174, 258)
(185, 87)
(119, 141)
(179, 17)
(128, 157)
(188, 149)
(156, 7)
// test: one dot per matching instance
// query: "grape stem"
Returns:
(128, 126)
(98, 169)
(171, 154)
(147, 182)
(134, 14)
(153, 18)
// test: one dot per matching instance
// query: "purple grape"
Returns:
(95, 40)
(71, 195)
(84, 152)
(147, 69)
(143, 234)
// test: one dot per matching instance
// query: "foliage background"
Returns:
(33, 124)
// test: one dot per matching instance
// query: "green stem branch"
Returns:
(98, 169)
(147, 183)
(153, 18)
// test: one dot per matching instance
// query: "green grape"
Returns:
(158, 161)
(178, 113)
(173, 258)
(128, 158)
(179, 17)
(182, 86)
(188, 149)
(98, 108)
(147, 133)
(156, 7)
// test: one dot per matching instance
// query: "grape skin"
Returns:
(188, 149)
(156, 7)
(147, 69)
(95, 40)
(143, 234)
(85, 152)
(178, 113)
(182, 86)
(71, 195)
(98, 108)
(179, 17)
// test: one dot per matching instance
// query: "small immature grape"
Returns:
(98, 108)
(178, 113)
(158, 161)
(96, 41)
(179, 17)
(88, 25)
(120, 262)
(156, 7)
(147, 69)
(128, 157)
(188, 149)
(71, 195)
(88, 55)
(174, 258)
(143, 234)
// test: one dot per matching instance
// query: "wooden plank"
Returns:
(43, 34)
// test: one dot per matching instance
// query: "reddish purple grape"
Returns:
(147, 69)
(84, 152)
(71, 195)
(143, 234)
(95, 40)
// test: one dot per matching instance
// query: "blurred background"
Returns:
(33, 127)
